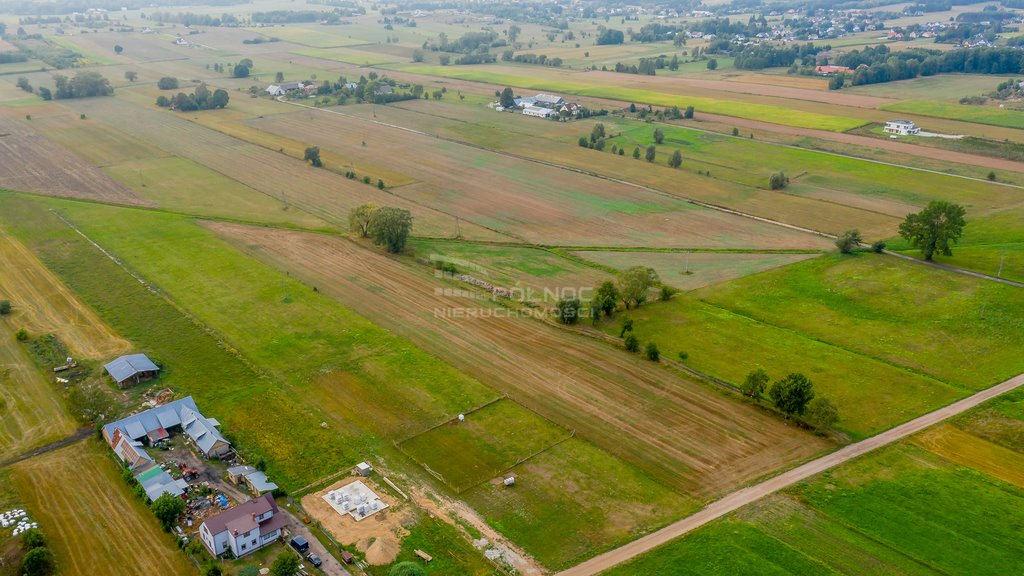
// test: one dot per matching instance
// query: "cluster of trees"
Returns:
(541, 59)
(38, 560)
(167, 83)
(201, 99)
(657, 32)
(777, 181)
(646, 67)
(289, 16)
(261, 40)
(609, 36)
(84, 85)
(9, 57)
(769, 56)
(877, 64)
(386, 226)
(793, 396)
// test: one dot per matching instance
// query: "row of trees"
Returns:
(878, 64)
(793, 396)
(38, 560)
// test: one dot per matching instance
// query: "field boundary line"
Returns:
(78, 436)
(949, 268)
(750, 494)
(453, 418)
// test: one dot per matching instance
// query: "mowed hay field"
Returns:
(635, 409)
(43, 304)
(528, 200)
(31, 163)
(93, 524)
(31, 412)
(900, 510)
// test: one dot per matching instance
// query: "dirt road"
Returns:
(750, 494)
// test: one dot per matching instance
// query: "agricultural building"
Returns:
(283, 88)
(244, 528)
(155, 424)
(549, 100)
(539, 112)
(131, 369)
(901, 127)
(255, 480)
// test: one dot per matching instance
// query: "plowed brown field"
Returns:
(687, 435)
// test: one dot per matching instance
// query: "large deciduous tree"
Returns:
(791, 394)
(634, 283)
(508, 99)
(848, 241)
(755, 383)
(359, 220)
(167, 509)
(390, 227)
(821, 414)
(935, 229)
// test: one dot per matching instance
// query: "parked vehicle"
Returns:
(347, 557)
(300, 544)
(314, 559)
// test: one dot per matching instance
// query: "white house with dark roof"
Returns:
(131, 369)
(901, 127)
(244, 528)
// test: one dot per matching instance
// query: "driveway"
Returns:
(331, 566)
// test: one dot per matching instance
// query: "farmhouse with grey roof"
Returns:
(153, 425)
(131, 369)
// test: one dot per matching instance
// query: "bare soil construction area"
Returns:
(685, 434)
(379, 536)
(31, 163)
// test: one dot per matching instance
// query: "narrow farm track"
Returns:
(753, 493)
(955, 269)
(693, 437)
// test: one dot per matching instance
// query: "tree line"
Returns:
(201, 99)
(878, 64)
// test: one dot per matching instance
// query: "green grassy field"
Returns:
(937, 87)
(574, 501)
(489, 442)
(897, 511)
(433, 534)
(313, 36)
(957, 111)
(903, 313)
(871, 395)
(774, 114)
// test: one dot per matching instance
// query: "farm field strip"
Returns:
(968, 450)
(776, 114)
(94, 525)
(31, 163)
(560, 194)
(31, 412)
(319, 192)
(43, 304)
(581, 384)
(961, 112)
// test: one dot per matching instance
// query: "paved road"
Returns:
(753, 493)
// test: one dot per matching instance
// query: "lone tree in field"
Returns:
(848, 241)
(650, 153)
(568, 310)
(167, 509)
(755, 383)
(359, 220)
(240, 71)
(791, 394)
(712, 64)
(688, 113)
(313, 156)
(5, 307)
(634, 283)
(167, 83)
(821, 414)
(652, 352)
(390, 227)
(508, 99)
(597, 132)
(631, 342)
(285, 565)
(659, 136)
(935, 228)
(606, 298)
(279, 77)
(118, 49)
(636, 152)
(777, 181)
(676, 160)
(131, 76)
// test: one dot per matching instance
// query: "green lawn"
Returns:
(489, 442)
(350, 56)
(775, 114)
(903, 313)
